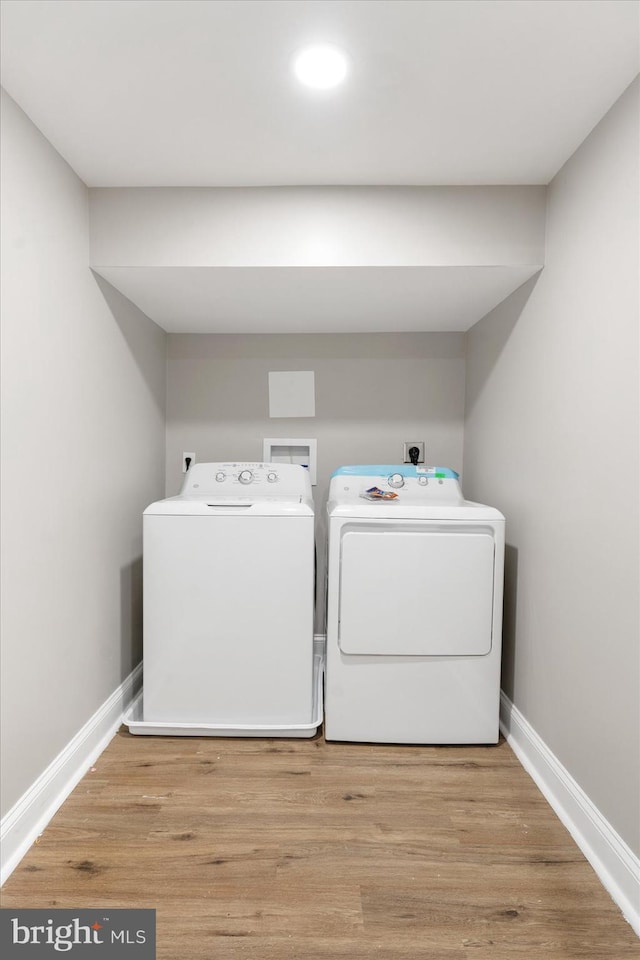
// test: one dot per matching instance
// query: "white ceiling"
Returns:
(200, 93)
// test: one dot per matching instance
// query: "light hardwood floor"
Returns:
(305, 850)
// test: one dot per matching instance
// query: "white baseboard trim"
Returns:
(26, 820)
(617, 867)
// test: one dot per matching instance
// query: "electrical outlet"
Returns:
(188, 460)
(414, 443)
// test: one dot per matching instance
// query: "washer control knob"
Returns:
(220, 476)
(272, 477)
(396, 480)
(245, 476)
(423, 481)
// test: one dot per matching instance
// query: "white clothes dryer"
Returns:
(229, 571)
(414, 608)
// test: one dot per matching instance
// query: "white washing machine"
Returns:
(414, 608)
(229, 571)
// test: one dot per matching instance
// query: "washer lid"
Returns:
(209, 506)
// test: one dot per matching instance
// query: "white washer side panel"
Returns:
(422, 591)
(228, 619)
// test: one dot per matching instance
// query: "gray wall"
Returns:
(266, 260)
(312, 226)
(83, 390)
(551, 438)
(373, 391)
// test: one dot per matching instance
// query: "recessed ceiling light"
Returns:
(320, 67)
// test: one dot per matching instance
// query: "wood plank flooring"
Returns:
(307, 850)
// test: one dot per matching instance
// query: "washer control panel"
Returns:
(259, 480)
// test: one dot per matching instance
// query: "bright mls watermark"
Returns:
(80, 934)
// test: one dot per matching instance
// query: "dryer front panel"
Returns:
(416, 589)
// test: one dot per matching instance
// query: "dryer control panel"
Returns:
(401, 483)
(257, 480)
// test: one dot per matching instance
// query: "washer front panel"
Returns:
(228, 619)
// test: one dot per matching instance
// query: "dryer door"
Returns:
(416, 589)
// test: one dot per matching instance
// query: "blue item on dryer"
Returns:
(406, 469)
